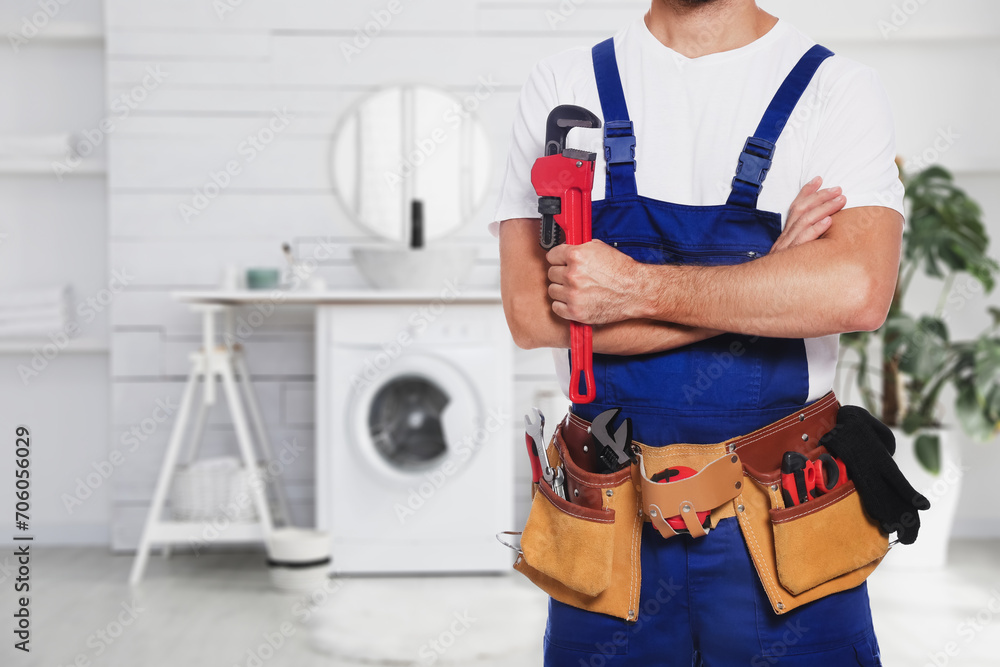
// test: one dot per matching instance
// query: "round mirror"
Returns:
(407, 144)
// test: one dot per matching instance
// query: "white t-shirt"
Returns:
(692, 117)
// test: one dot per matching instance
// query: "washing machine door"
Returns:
(414, 416)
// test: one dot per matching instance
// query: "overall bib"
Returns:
(701, 600)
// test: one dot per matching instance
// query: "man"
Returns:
(696, 343)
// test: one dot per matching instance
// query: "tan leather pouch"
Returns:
(831, 539)
(807, 552)
(569, 543)
(585, 551)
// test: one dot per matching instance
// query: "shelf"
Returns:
(194, 531)
(43, 166)
(76, 345)
(332, 296)
(63, 31)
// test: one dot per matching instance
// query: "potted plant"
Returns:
(945, 241)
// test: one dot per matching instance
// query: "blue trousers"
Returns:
(702, 605)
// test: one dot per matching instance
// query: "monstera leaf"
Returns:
(945, 232)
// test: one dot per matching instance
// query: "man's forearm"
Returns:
(634, 337)
(832, 285)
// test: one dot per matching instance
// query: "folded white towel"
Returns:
(10, 314)
(35, 297)
(41, 145)
(32, 328)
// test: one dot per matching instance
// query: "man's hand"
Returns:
(591, 283)
(810, 215)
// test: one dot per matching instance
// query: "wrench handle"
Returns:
(582, 353)
(536, 465)
(581, 337)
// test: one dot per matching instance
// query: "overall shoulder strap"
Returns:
(755, 160)
(619, 133)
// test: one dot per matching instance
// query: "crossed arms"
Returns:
(831, 271)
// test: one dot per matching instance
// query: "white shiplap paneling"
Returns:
(227, 73)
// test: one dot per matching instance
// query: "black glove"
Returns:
(866, 446)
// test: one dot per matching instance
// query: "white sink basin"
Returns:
(424, 269)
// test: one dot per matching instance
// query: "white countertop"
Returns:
(331, 297)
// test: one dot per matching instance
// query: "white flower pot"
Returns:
(930, 551)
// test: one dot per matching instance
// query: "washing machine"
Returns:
(414, 434)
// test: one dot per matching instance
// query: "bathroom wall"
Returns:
(198, 77)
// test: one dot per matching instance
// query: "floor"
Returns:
(218, 610)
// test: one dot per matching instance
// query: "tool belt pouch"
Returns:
(584, 551)
(825, 545)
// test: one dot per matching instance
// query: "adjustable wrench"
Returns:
(563, 180)
(534, 437)
(616, 450)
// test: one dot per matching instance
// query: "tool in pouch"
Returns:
(534, 437)
(541, 470)
(563, 180)
(803, 479)
(696, 498)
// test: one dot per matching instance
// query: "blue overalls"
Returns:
(701, 600)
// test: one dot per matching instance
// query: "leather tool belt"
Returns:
(583, 549)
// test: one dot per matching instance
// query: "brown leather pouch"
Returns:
(584, 551)
(803, 553)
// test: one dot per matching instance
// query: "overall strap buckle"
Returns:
(619, 143)
(755, 161)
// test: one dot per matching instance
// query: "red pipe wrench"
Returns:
(563, 180)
